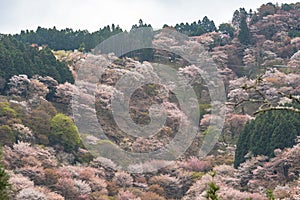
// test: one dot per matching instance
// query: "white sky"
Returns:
(17, 15)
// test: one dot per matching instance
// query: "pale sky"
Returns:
(17, 15)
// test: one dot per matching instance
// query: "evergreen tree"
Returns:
(244, 35)
(67, 39)
(19, 58)
(208, 25)
(269, 131)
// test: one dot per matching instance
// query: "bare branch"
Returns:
(277, 108)
(251, 100)
(292, 97)
(266, 104)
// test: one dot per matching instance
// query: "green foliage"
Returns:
(211, 192)
(7, 136)
(67, 39)
(267, 9)
(210, 130)
(244, 35)
(286, 7)
(204, 109)
(7, 114)
(197, 175)
(238, 15)
(140, 25)
(64, 132)
(4, 184)
(18, 58)
(197, 28)
(269, 131)
(38, 121)
(270, 194)
(227, 28)
(294, 33)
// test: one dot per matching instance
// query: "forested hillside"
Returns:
(51, 98)
(19, 58)
(67, 39)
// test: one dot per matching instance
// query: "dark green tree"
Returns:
(244, 35)
(269, 131)
(208, 25)
(286, 7)
(236, 19)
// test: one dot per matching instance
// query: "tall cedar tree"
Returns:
(244, 35)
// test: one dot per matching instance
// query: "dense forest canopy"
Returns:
(67, 39)
(17, 58)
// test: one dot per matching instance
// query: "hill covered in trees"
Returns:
(44, 154)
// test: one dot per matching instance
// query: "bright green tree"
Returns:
(211, 192)
(64, 132)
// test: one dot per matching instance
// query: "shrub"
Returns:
(211, 192)
(38, 120)
(64, 132)
(197, 175)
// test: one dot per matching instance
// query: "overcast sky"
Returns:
(17, 15)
